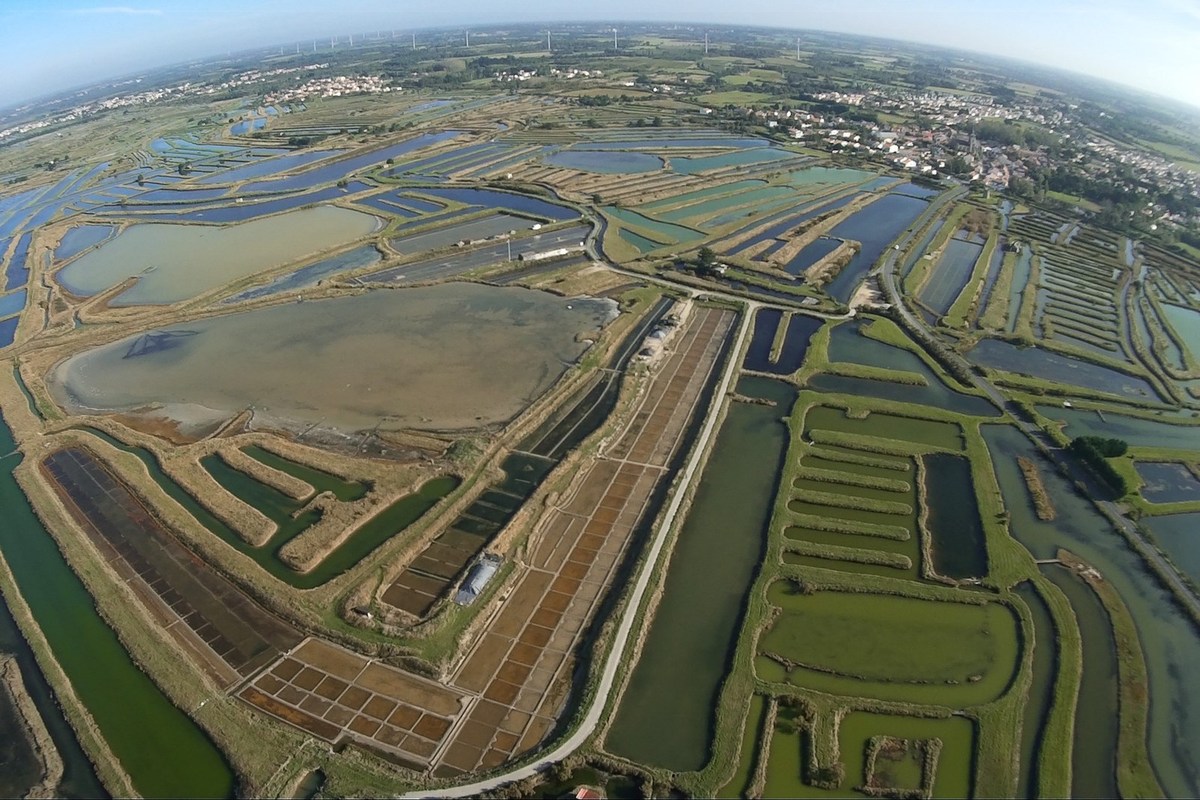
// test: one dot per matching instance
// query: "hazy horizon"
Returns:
(1152, 45)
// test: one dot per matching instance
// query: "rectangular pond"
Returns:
(268, 166)
(738, 158)
(1167, 482)
(12, 303)
(490, 198)
(1040, 363)
(1179, 537)
(343, 167)
(80, 238)
(795, 342)
(876, 226)
(811, 254)
(357, 258)
(959, 549)
(1137, 431)
(1186, 324)
(667, 714)
(485, 227)
(950, 275)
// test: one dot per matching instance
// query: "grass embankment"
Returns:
(32, 728)
(1028, 306)
(912, 283)
(1043, 504)
(995, 314)
(965, 307)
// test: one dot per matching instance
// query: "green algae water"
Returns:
(321, 481)
(667, 713)
(162, 750)
(370, 535)
(79, 778)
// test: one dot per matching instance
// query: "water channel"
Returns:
(1169, 639)
(162, 750)
(667, 713)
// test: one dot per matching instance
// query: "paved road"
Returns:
(456, 262)
(594, 712)
(597, 708)
(1074, 470)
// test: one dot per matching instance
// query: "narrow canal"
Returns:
(667, 713)
(1169, 640)
(162, 750)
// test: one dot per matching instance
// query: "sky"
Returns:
(50, 45)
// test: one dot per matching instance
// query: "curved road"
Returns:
(595, 710)
(591, 718)
(1166, 572)
(592, 715)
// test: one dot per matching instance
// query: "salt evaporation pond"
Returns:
(605, 161)
(452, 356)
(178, 262)
(80, 238)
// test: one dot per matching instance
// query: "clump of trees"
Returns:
(1095, 452)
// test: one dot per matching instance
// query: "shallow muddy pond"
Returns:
(425, 358)
(178, 262)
